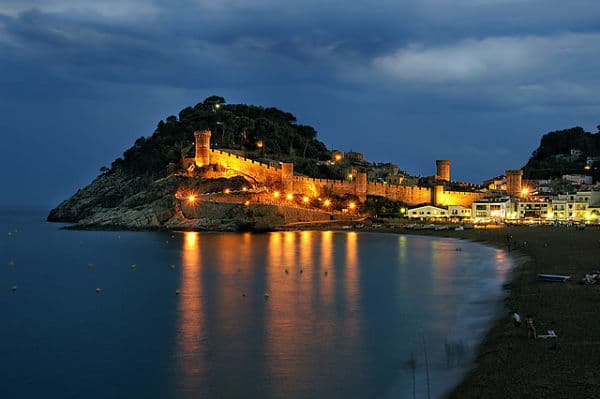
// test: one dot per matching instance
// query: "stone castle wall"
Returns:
(283, 179)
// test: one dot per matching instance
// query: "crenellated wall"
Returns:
(283, 179)
(464, 198)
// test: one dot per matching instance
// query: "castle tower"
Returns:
(442, 169)
(513, 182)
(287, 177)
(202, 148)
(361, 186)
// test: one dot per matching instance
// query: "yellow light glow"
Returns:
(191, 198)
(244, 188)
(276, 194)
(227, 191)
(350, 176)
(247, 203)
(327, 203)
(525, 191)
(259, 144)
(587, 167)
(217, 106)
(289, 197)
(338, 157)
(352, 205)
(305, 199)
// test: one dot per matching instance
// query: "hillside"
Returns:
(139, 190)
(564, 152)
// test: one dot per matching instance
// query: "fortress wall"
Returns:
(301, 185)
(263, 173)
(464, 198)
(317, 187)
(411, 195)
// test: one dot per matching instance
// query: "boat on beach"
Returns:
(553, 277)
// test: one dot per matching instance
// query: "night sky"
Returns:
(474, 81)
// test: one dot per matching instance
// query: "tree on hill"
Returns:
(247, 128)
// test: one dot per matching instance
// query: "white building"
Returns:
(485, 210)
(428, 212)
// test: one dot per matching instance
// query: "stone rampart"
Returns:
(283, 179)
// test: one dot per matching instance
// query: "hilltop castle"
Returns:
(281, 177)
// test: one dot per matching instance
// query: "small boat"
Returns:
(553, 277)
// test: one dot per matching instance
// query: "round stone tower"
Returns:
(202, 148)
(513, 182)
(442, 169)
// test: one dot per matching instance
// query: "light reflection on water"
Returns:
(288, 313)
(344, 327)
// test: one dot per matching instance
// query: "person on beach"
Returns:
(531, 328)
(516, 319)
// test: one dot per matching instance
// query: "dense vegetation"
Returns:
(258, 132)
(553, 158)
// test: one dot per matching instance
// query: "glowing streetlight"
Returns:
(259, 144)
(191, 198)
(244, 188)
(305, 199)
(227, 191)
(276, 194)
(352, 205)
(338, 157)
(289, 197)
(525, 192)
(326, 203)
(247, 203)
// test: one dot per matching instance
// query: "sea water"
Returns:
(299, 314)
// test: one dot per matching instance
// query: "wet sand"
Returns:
(511, 365)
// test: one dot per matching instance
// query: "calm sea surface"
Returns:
(280, 315)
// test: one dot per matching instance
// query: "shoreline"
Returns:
(508, 364)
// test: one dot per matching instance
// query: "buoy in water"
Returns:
(91, 265)
(9, 233)
(172, 267)
(10, 263)
(98, 290)
(266, 296)
(13, 288)
(177, 292)
(133, 266)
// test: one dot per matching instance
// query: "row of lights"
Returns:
(192, 198)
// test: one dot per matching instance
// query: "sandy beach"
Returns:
(509, 364)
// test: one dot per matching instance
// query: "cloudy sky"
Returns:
(474, 81)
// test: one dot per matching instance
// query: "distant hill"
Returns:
(564, 152)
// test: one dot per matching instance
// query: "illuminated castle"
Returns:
(282, 178)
